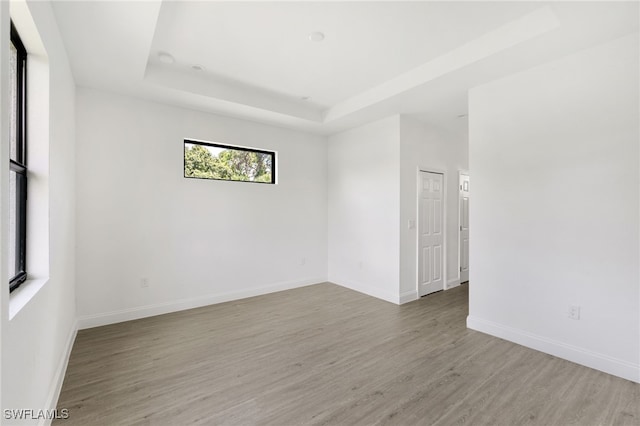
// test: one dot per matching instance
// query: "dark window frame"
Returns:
(19, 164)
(233, 147)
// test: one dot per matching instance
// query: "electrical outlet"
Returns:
(144, 282)
(303, 261)
(574, 312)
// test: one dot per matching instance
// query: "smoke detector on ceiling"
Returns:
(166, 58)
(316, 36)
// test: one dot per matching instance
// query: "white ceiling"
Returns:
(377, 58)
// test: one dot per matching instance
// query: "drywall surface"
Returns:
(37, 339)
(364, 185)
(555, 220)
(194, 241)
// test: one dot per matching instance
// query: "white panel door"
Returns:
(431, 233)
(464, 228)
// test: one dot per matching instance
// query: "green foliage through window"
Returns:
(213, 161)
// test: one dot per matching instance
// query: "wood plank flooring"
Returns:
(325, 355)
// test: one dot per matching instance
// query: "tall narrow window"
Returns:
(18, 163)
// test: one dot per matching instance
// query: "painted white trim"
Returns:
(97, 320)
(368, 290)
(445, 268)
(597, 361)
(56, 384)
(453, 283)
(408, 296)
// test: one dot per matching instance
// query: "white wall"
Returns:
(364, 206)
(196, 241)
(424, 146)
(373, 196)
(37, 340)
(555, 217)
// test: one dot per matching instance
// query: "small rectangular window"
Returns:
(223, 162)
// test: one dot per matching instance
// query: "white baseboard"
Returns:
(365, 289)
(106, 318)
(453, 283)
(408, 296)
(56, 385)
(597, 361)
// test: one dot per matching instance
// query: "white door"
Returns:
(431, 233)
(464, 228)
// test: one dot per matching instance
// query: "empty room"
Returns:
(319, 213)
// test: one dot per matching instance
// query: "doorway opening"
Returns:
(463, 209)
(431, 232)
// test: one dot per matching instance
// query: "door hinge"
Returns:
(461, 269)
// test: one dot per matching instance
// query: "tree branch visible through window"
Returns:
(224, 162)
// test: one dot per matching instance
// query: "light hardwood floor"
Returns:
(325, 355)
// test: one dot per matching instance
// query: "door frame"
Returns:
(461, 173)
(442, 172)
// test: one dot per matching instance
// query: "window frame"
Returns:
(232, 147)
(19, 165)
